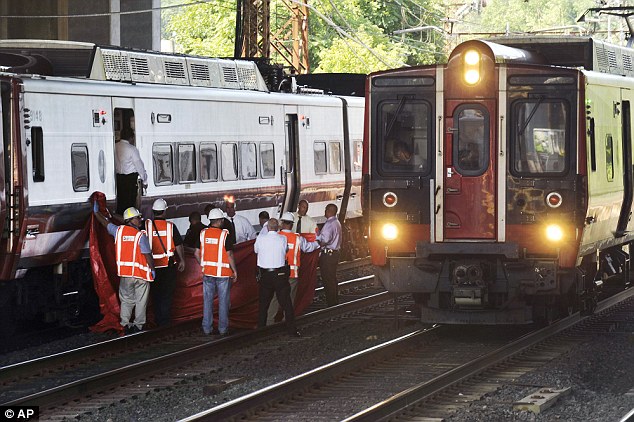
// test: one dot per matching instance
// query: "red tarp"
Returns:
(188, 295)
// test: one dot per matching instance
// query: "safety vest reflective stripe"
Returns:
(214, 259)
(293, 253)
(165, 230)
(130, 261)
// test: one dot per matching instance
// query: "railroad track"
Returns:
(425, 375)
(116, 369)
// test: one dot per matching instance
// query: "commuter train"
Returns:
(205, 128)
(499, 186)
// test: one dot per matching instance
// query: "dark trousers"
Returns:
(126, 191)
(276, 282)
(162, 291)
(328, 268)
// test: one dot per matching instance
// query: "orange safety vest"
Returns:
(294, 252)
(165, 230)
(130, 261)
(214, 258)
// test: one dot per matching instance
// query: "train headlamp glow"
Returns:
(554, 233)
(472, 61)
(389, 231)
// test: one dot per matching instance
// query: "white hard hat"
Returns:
(130, 213)
(288, 216)
(216, 214)
(159, 205)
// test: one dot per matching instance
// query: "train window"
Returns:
(335, 157)
(540, 137)
(471, 142)
(79, 167)
(609, 158)
(319, 156)
(208, 162)
(37, 153)
(403, 81)
(248, 160)
(267, 156)
(405, 131)
(163, 165)
(229, 161)
(186, 163)
(357, 155)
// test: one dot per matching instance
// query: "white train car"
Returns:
(205, 128)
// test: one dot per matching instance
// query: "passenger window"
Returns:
(186, 163)
(267, 157)
(541, 132)
(357, 157)
(163, 166)
(319, 156)
(335, 157)
(609, 158)
(37, 153)
(471, 145)
(229, 161)
(248, 160)
(208, 162)
(79, 167)
(405, 133)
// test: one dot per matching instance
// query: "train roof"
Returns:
(575, 51)
(110, 63)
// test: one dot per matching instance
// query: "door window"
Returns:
(471, 140)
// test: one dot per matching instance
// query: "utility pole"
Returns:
(256, 38)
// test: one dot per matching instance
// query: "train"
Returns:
(207, 129)
(498, 185)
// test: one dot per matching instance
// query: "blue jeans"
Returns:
(211, 285)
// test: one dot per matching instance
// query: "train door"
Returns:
(469, 174)
(628, 178)
(291, 174)
(5, 174)
(124, 125)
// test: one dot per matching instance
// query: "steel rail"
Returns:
(120, 376)
(408, 398)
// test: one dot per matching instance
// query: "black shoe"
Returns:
(134, 329)
(126, 330)
(225, 334)
(215, 332)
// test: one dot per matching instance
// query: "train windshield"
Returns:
(405, 134)
(540, 137)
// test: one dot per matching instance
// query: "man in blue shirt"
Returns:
(330, 240)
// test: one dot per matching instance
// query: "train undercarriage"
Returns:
(495, 285)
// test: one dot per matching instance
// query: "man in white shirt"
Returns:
(242, 227)
(303, 222)
(273, 276)
(129, 168)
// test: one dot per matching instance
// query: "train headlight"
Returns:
(389, 231)
(554, 233)
(472, 62)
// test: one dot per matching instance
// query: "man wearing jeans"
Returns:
(215, 256)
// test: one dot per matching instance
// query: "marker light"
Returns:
(390, 199)
(472, 67)
(554, 233)
(554, 200)
(389, 231)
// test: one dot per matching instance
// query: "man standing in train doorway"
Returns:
(330, 240)
(135, 266)
(168, 253)
(129, 167)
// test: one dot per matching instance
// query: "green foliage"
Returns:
(533, 15)
(206, 29)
